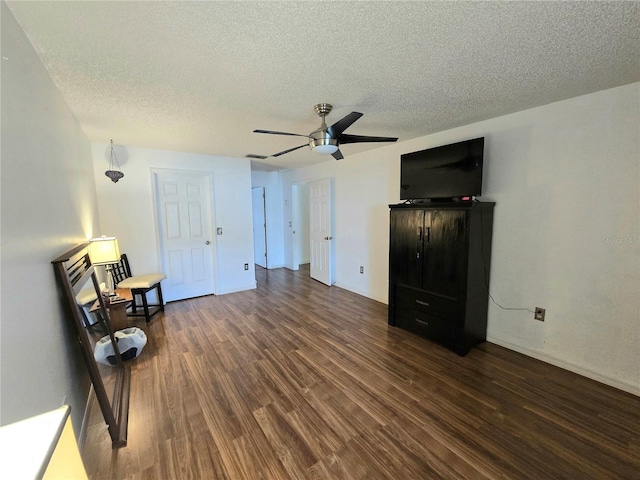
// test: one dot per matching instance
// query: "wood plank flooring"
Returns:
(296, 380)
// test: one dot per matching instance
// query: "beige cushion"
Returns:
(142, 281)
(88, 294)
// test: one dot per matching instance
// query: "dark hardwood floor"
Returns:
(296, 380)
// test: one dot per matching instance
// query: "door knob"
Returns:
(328, 238)
(207, 242)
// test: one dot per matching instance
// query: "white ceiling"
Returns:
(201, 76)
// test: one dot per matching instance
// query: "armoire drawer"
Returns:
(413, 299)
(436, 328)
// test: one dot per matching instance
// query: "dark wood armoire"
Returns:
(439, 261)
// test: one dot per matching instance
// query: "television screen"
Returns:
(449, 171)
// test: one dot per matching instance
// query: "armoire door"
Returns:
(405, 247)
(445, 264)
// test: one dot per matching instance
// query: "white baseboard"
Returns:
(361, 292)
(585, 372)
(251, 286)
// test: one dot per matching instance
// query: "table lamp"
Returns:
(104, 251)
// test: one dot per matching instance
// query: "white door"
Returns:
(184, 203)
(259, 227)
(320, 220)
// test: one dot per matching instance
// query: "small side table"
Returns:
(117, 310)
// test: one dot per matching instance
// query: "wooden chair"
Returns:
(139, 285)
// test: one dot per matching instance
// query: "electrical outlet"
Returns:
(539, 315)
(246, 266)
(361, 269)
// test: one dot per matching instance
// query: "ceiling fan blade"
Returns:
(271, 132)
(363, 138)
(340, 126)
(337, 155)
(253, 155)
(290, 150)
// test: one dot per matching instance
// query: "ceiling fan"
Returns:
(327, 140)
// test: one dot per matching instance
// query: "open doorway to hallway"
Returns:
(300, 228)
(312, 228)
(258, 202)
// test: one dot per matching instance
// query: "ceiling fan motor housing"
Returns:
(320, 141)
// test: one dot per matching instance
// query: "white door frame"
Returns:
(262, 226)
(153, 173)
(295, 218)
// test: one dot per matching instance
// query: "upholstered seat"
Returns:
(85, 299)
(142, 281)
(87, 295)
(139, 285)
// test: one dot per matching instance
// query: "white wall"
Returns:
(127, 209)
(48, 205)
(271, 181)
(566, 179)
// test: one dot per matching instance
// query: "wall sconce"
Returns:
(105, 251)
(113, 174)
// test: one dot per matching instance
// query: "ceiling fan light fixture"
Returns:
(323, 146)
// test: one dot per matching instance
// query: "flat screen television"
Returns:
(447, 172)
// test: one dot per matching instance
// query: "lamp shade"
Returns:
(104, 250)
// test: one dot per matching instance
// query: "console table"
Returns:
(117, 310)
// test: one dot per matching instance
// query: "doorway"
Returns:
(312, 228)
(258, 201)
(184, 209)
(300, 228)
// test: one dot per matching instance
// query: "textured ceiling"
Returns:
(200, 76)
